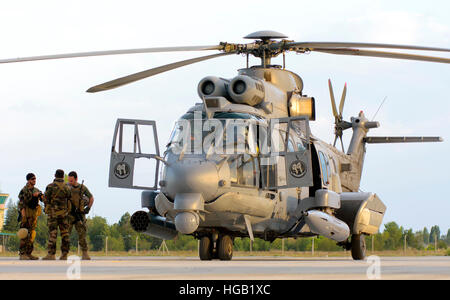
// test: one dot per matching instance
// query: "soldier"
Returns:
(29, 210)
(57, 206)
(82, 201)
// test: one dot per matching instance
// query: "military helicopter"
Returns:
(243, 161)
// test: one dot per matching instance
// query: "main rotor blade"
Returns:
(358, 45)
(147, 73)
(372, 53)
(333, 102)
(111, 52)
(341, 104)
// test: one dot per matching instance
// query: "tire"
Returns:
(358, 246)
(225, 248)
(205, 249)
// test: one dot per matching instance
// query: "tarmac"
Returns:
(240, 268)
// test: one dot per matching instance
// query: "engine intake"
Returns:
(212, 86)
(246, 90)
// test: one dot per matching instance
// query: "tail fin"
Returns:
(360, 126)
(357, 148)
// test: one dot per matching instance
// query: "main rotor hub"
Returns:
(264, 51)
(265, 35)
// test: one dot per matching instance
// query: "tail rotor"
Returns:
(339, 124)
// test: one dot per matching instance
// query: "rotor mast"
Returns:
(264, 39)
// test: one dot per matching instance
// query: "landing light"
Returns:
(302, 106)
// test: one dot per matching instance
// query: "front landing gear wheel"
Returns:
(358, 246)
(205, 249)
(225, 248)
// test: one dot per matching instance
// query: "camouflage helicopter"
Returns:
(243, 161)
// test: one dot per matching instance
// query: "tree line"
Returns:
(121, 237)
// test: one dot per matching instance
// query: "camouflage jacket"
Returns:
(26, 196)
(57, 198)
(79, 195)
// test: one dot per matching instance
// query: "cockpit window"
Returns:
(219, 136)
(297, 133)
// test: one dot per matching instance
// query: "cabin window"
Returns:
(325, 167)
(273, 171)
(290, 145)
(278, 142)
(333, 162)
(268, 172)
(244, 170)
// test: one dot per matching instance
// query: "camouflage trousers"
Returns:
(29, 221)
(81, 229)
(53, 224)
(27, 244)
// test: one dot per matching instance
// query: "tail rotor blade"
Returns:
(333, 102)
(342, 144)
(341, 105)
(335, 139)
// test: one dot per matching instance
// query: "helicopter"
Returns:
(243, 162)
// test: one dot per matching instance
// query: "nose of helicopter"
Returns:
(192, 176)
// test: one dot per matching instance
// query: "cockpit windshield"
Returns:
(234, 133)
(226, 133)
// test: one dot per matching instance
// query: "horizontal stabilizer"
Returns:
(401, 139)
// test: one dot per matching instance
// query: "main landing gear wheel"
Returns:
(358, 244)
(205, 249)
(225, 248)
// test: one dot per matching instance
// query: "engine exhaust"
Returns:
(152, 225)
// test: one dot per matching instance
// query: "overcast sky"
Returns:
(48, 121)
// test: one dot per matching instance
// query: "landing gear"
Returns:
(358, 246)
(221, 248)
(205, 250)
(225, 248)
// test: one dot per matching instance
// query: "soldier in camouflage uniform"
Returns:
(30, 210)
(82, 201)
(57, 206)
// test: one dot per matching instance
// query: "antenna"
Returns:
(379, 108)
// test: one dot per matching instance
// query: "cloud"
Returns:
(399, 27)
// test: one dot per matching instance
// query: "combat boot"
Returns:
(63, 256)
(32, 257)
(49, 257)
(85, 256)
(24, 257)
